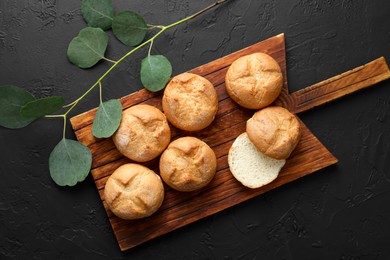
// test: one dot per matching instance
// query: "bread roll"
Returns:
(143, 133)
(251, 167)
(188, 164)
(190, 102)
(254, 81)
(274, 131)
(133, 191)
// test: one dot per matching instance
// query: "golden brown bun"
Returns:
(143, 133)
(188, 164)
(133, 191)
(274, 131)
(190, 102)
(254, 81)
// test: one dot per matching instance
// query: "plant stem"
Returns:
(150, 48)
(112, 61)
(100, 92)
(151, 26)
(64, 129)
(54, 116)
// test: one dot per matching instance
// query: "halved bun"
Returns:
(249, 166)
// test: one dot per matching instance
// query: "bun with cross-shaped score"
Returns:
(188, 164)
(133, 191)
(190, 102)
(143, 133)
(275, 131)
(254, 81)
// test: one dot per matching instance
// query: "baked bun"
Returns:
(274, 131)
(143, 133)
(133, 191)
(187, 164)
(254, 81)
(190, 102)
(251, 167)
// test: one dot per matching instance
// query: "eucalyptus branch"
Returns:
(70, 161)
(149, 41)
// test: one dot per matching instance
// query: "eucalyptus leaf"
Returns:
(69, 162)
(107, 118)
(12, 99)
(86, 49)
(156, 70)
(98, 13)
(129, 27)
(44, 106)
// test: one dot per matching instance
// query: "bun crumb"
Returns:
(251, 167)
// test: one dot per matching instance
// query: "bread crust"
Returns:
(143, 133)
(254, 81)
(190, 102)
(274, 131)
(133, 191)
(188, 164)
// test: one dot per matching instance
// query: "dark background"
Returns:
(341, 212)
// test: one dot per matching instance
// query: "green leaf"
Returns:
(129, 27)
(98, 13)
(69, 162)
(12, 99)
(42, 107)
(155, 72)
(107, 118)
(86, 49)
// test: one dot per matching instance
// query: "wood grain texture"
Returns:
(179, 208)
(336, 87)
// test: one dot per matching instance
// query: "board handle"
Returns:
(336, 87)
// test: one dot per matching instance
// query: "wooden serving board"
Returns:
(180, 208)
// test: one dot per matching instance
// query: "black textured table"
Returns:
(340, 212)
